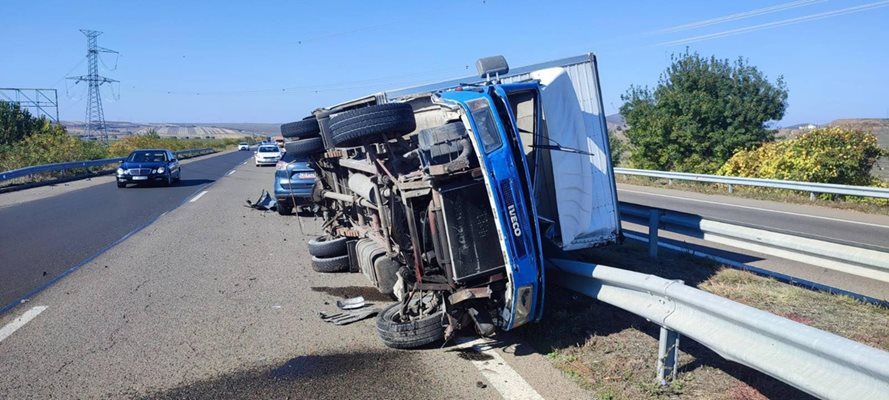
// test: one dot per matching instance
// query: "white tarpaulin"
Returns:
(582, 184)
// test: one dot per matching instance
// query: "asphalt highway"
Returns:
(215, 300)
(42, 238)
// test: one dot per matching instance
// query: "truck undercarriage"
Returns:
(432, 199)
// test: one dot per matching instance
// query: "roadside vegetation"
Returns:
(711, 116)
(702, 111)
(612, 352)
(26, 140)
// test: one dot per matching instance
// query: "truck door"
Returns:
(567, 151)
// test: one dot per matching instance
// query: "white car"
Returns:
(243, 146)
(267, 155)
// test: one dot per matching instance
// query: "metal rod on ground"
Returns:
(667, 355)
(654, 217)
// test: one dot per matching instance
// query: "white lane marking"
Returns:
(230, 173)
(502, 377)
(758, 209)
(194, 199)
(20, 321)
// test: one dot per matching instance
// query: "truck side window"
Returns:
(484, 121)
(524, 108)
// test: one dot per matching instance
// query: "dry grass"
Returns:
(785, 196)
(612, 352)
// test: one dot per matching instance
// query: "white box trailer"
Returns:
(578, 197)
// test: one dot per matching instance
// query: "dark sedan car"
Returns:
(149, 165)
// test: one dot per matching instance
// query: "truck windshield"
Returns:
(487, 130)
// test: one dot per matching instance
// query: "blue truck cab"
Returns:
(448, 194)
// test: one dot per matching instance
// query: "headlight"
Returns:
(120, 171)
(160, 170)
(524, 305)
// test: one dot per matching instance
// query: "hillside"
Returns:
(181, 130)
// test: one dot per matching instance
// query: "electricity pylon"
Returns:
(95, 117)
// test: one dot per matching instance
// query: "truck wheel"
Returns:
(332, 264)
(408, 335)
(324, 246)
(372, 123)
(306, 128)
(304, 147)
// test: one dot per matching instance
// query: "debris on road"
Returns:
(349, 317)
(351, 304)
(265, 202)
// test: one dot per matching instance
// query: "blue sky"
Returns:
(191, 61)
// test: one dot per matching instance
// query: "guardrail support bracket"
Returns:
(668, 356)
(654, 222)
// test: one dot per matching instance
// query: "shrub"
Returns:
(49, 144)
(824, 155)
(151, 140)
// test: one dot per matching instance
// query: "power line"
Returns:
(776, 24)
(337, 86)
(738, 16)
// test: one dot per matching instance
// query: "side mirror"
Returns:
(491, 66)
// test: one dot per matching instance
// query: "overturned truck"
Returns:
(445, 196)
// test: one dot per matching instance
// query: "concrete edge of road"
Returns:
(33, 292)
(25, 195)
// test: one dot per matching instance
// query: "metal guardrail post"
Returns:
(731, 189)
(654, 222)
(819, 363)
(667, 355)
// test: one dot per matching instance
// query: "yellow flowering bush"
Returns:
(823, 155)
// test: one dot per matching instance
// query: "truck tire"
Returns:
(304, 147)
(372, 123)
(284, 209)
(408, 335)
(332, 264)
(306, 128)
(324, 246)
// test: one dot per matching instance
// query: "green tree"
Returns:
(15, 123)
(702, 111)
(618, 148)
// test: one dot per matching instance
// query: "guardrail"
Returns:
(812, 188)
(37, 169)
(865, 262)
(817, 362)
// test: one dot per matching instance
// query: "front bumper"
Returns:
(142, 178)
(266, 161)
